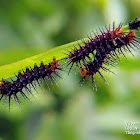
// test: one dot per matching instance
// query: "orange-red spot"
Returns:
(54, 64)
(70, 56)
(83, 71)
(1, 83)
(118, 31)
(131, 35)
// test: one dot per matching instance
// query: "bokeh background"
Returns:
(68, 112)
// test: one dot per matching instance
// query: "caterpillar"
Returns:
(93, 45)
(124, 41)
(77, 55)
(28, 78)
(105, 48)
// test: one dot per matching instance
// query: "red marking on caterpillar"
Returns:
(105, 48)
(78, 55)
(29, 78)
(105, 56)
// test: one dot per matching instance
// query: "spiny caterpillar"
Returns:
(28, 78)
(105, 48)
(92, 67)
(93, 44)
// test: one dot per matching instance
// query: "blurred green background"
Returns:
(68, 112)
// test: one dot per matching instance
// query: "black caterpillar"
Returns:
(105, 49)
(29, 78)
(78, 55)
(105, 56)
